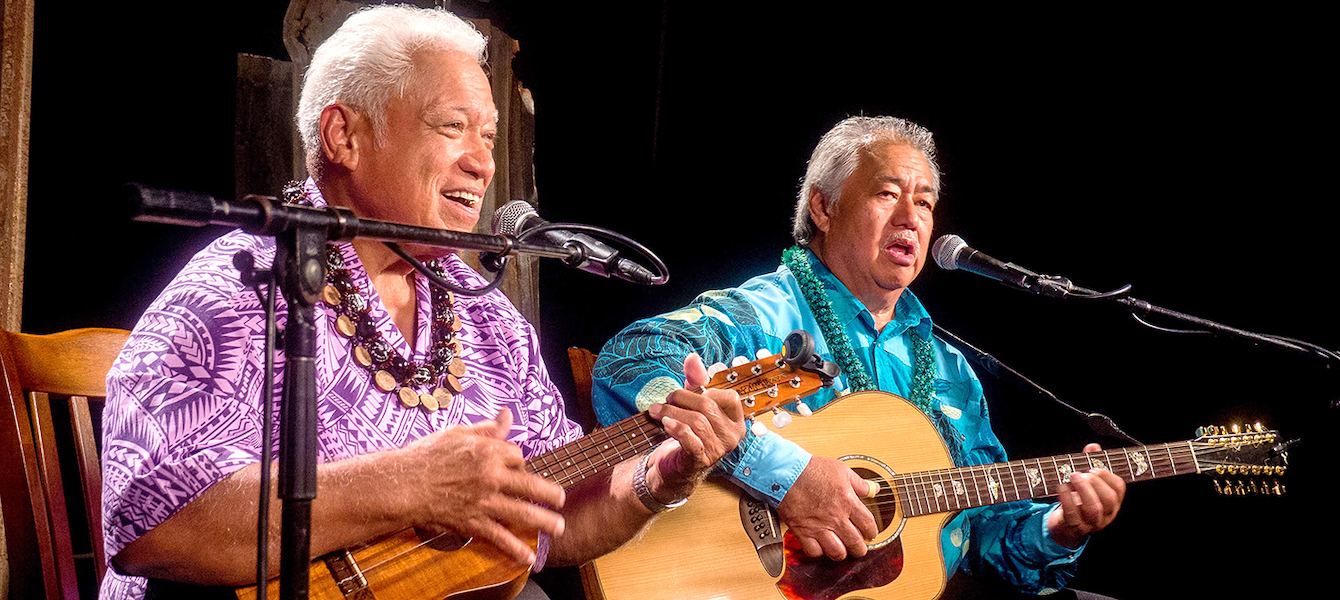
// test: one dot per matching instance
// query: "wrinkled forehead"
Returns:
(901, 164)
(450, 85)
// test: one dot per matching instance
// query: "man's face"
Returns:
(877, 237)
(435, 158)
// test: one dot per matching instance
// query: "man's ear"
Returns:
(819, 212)
(342, 135)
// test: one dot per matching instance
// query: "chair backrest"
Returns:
(582, 361)
(50, 423)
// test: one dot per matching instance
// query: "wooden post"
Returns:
(16, 86)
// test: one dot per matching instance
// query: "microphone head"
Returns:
(946, 251)
(507, 219)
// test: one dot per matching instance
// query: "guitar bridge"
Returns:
(764, 528)
(348, 577)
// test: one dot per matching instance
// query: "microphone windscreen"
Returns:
(507, 219)
(946, 251)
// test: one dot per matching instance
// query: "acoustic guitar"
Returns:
(410, 564)
(724, 545)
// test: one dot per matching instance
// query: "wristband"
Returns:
(644, 493)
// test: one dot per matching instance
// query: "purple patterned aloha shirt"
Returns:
(183, 399)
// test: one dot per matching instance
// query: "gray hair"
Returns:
(370, 59)
(839, 153)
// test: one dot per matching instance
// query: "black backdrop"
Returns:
(1184, 153)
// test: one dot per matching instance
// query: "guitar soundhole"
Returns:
(884, 506)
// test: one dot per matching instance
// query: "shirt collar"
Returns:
(908, 313)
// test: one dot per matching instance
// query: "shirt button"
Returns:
(776, 487)
(747, 471)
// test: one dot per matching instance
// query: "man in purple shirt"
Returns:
(429, 403)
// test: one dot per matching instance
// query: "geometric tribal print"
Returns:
(184, 400)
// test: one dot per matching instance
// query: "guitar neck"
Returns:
(763, 384)
(959, 488)
(599, 450)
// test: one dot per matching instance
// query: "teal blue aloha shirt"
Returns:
(644, 363)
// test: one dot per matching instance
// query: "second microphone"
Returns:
(587, 253)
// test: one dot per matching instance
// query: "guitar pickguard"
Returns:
(823, 579)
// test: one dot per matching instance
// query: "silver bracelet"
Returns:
(644, 493)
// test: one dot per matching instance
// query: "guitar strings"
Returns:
(912, 488)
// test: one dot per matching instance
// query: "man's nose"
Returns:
(478, 160)
(905, 213)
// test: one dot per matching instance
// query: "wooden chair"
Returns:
(583, 361)
(50, 423)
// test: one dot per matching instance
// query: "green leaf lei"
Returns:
(923, 352)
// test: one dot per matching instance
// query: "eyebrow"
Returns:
(438, 112)
(900, 182)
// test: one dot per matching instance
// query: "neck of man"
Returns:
(880, 302)
(390, 274)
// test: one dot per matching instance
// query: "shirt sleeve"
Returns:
(643, 364)
(180, 416)
(1009, 540)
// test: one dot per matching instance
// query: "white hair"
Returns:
(839, 153)
(370, 59)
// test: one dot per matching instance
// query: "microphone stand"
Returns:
(1060, 287)
(301, 234)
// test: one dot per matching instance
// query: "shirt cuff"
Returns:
(768, 465)
(1050, 549)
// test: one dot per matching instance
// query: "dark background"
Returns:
(1185, 153)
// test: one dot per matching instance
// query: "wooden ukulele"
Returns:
(407, 565)
(703, 549)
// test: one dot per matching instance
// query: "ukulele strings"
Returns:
(635, 433)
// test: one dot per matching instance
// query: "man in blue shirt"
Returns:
(862, 226)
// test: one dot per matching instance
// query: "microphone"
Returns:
(585, 252)
(952, 253)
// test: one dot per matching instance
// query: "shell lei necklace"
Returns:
(923, 353)
(391, 372)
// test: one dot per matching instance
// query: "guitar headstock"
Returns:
(1244, 459)
(779, 379)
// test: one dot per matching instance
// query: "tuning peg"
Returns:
(780, 418)
(716, 367)
(1258, 428)
(758, 428)
(803, 409)
(737, 361)
(1235, 428)
(762, 353)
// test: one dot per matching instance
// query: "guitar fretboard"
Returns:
(959, 488)
(599, 450)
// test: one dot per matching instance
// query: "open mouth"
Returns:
(464, 198)
(903, 250)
